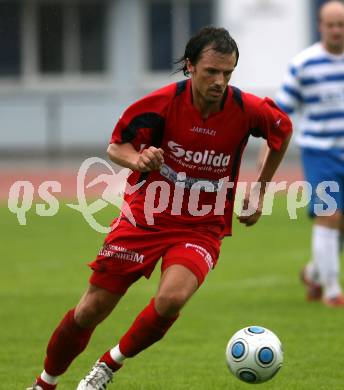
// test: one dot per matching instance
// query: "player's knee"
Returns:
(85, 317)
(88, 315)
(95, 305)
(170, 303)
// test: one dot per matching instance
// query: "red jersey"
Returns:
(200, 155)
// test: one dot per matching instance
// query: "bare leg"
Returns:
(94, 306)
(177, 285)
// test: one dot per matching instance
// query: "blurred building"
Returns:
(69, 67)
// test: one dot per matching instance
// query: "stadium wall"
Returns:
(70, 114)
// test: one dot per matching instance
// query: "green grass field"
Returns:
(256, 282)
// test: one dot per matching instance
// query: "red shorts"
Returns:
(130, 252)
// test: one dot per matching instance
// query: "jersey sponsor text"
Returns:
(204, 157)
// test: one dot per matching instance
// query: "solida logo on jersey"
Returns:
(204, 157)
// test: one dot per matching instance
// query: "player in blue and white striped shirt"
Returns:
(314, 87)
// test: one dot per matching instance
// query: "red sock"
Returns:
(107, 359)
(66, 343)
(44, 385)
(147, 328)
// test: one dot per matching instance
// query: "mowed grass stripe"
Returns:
(256, 281)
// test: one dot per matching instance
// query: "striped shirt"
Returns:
(314, 87)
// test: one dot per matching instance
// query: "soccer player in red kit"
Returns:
(183, 144)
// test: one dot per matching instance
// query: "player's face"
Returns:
(331, 27)
(211, 74)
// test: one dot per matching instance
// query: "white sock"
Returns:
(326, 258)
(117, 355)
(51, 380)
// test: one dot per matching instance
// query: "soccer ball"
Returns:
(254, 354)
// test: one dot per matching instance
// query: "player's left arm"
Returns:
(288, 99)
(276, 128)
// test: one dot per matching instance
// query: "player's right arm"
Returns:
(127, 156)
(137, 137)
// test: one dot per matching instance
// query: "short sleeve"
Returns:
(272, 123)
(143, 122)
(289, 97)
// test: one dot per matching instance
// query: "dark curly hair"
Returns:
(219, 39)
